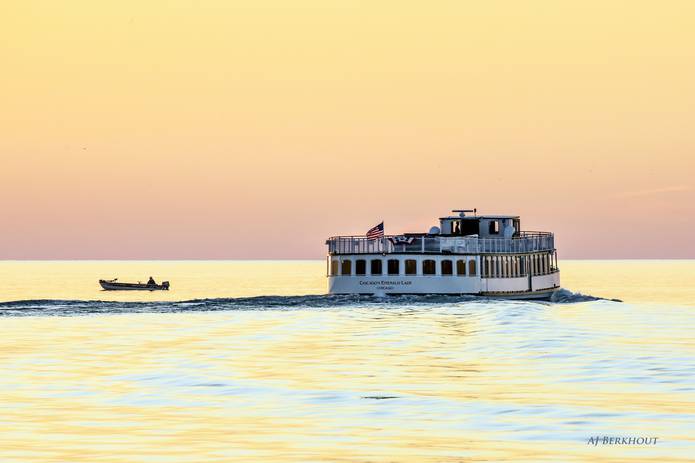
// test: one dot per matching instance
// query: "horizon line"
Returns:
(129, 259)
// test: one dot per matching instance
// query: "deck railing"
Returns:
(526, 242)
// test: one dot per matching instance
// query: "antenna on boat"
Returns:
(462, 212)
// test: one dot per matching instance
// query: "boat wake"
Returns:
(85, 307)
(565, 296)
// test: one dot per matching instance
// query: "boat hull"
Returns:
(536, 287)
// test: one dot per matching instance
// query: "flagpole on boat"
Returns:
(383, 238)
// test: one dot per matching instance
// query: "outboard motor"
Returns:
(165, 285)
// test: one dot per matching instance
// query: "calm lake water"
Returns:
(294, 376)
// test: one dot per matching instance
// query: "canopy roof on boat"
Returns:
(487, 216)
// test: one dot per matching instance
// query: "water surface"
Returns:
(258, 365)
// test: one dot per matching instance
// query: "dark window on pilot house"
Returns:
(470, 227)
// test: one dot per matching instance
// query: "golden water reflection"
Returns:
(469, 381)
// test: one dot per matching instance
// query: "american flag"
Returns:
(376, 232)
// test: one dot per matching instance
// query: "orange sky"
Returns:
(222, 129)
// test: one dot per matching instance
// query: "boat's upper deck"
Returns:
(460, 234)
(428, 244)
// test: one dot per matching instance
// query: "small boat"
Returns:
(115, 285)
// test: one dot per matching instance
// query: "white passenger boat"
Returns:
(486, 255)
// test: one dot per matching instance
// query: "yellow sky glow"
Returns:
(222, 129)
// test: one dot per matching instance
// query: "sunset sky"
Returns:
(256, 129)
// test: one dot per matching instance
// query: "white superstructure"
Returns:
(485, 255)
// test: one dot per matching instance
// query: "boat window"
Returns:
(334, 267)
(447, 267)
(428, 267)
(376, 267)
(360, 267)
(346, 268)
(494, 227)
(457, 227)
(534, 264)
(410, 267)
(393, 267)
(470, 227)
(460, 267)
(471, 268)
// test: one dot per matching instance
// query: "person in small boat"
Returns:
(151, 282)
